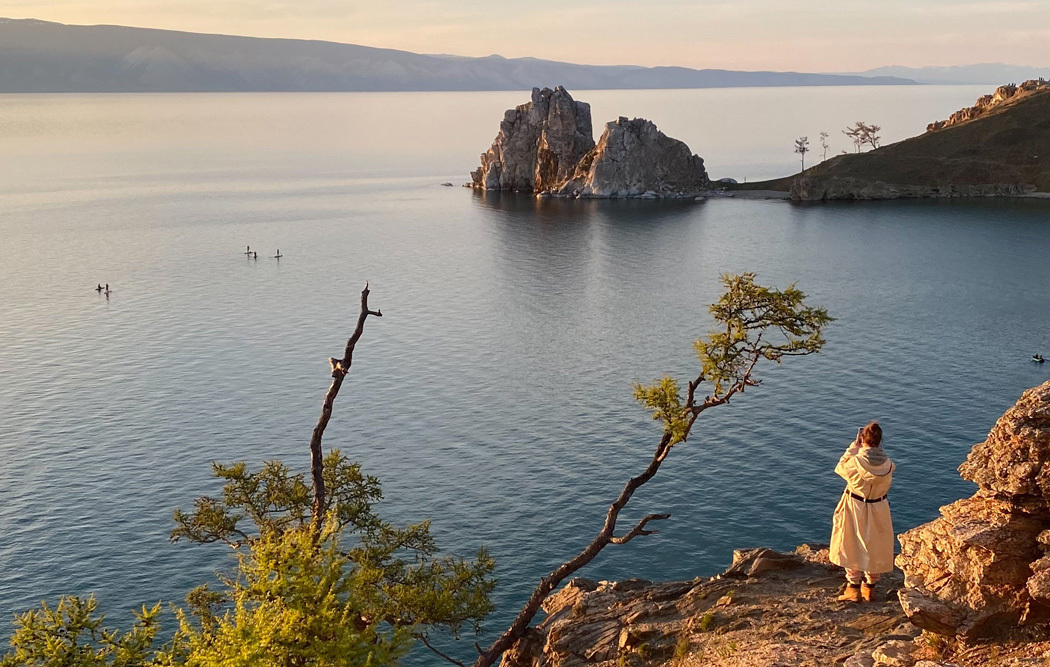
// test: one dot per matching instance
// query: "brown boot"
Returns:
(867, 592)
(851, 594)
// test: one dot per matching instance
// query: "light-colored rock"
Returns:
(753, 562)
(633, 159)
(929, 613)
(538, 145)
(1013, 460)
(981, 567)
(895, 653)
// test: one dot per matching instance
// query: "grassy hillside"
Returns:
(1010, 145)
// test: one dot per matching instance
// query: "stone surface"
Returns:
(982, 568)
(538, 145)
(753, 562)
(860, 659)
(1013, 460)
(767, 608)
(635, 159)
(895, 653)
(986, 103)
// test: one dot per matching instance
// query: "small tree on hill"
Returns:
(824, 146)
(871, 135)
(861, 133)
(802, 147)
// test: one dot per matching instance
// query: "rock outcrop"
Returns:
(635, 159)
(983, 567)
(767, 608)
(546, 147)
(539, 144)
(986, 103)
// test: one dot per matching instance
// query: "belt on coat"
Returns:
(867, 500)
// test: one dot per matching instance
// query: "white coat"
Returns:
(862, 533)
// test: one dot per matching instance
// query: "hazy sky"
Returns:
(808, 35)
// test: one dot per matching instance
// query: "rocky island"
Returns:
(975, 589)
(546, 147)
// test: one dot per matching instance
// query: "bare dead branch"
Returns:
(639, 529)
(340, 367)
(437, 652)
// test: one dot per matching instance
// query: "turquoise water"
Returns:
(494, 396)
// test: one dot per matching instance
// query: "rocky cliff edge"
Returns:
(983, 567)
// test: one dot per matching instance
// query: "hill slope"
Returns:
(38, 56)
(1005, 151)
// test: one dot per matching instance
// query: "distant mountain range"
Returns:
(995, 74)
(39, 56)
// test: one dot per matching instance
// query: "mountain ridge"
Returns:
(44, 57)
(977, 73)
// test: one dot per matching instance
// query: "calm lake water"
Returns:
(494, 396)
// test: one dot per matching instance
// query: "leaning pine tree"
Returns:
(752, 323)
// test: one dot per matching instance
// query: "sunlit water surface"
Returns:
(494, 396)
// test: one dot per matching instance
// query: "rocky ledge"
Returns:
(546, 147)
(767, 608)
(983, 567)
(986, 103)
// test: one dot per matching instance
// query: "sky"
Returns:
(798, 35)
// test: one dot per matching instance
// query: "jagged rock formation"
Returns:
(538, 145)
(545, 147)
(1003, 94)
(634, 159)
(984, 565)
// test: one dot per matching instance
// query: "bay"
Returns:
(494, 396)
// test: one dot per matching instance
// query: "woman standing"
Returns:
(862, 531)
